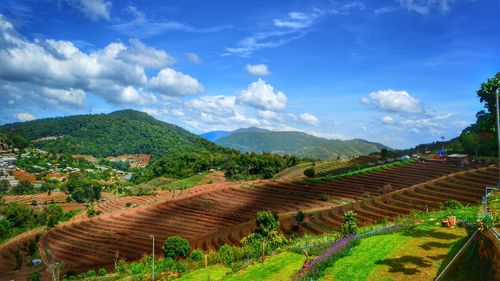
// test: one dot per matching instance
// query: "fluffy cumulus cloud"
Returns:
(94, 9)
(388, 120)
(173, 83)
(145, 56)
(308, 118)
(261, 95)
(215, 105)
(58, 73)
(24, 116)
(257, 69)
(393, 101)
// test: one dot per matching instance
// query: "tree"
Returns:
(299, 216)
(24, 187)
(349, 225)
(309, 172)
(266, 223)
(4, 186)
(175, 247)
(471, 143)
(486, 95)
(383, 152)
(35, 276)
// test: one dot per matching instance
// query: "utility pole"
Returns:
(153, 276)
(498, 130)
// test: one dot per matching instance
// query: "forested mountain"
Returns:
(215, 135)
(119, 132)
(298, 143)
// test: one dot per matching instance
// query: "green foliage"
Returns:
(299, 216)
(120, 132)
(83, 189)
(102, 272)
(451, 205)
(196, 255)
(4, 186)
(227, 254)
(486, 95)
(176, 247)
(265, 223)
(309, 172)
(35, 276)
(349, 225)
(24, 187)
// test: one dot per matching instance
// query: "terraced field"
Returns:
(211, 215)
(41, 198)
(322, 168)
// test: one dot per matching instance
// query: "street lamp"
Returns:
(153, 237)
(498, 131)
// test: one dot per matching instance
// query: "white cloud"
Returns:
(388, 120)
(216, 105)
(24, 116)
(270, 115)
(424, 7)
(194, 58)
(295, 20)
(262, 96)
(257, 69)
(140, 26)
(172, 83)
(393, 101)
(57, 73)
(308, 118)
(95, 9)
(145, 56)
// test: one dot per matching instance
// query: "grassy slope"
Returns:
(278, 267)
(407, 255)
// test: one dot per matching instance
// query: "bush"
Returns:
(309, 172)
(451, 205)
(265, 223)
(35, 276)
(176, 247)
(196, 255)
(226, 254)
(299, 216)
(324, 197)
(349, 225)
(385, 189)
(102, 272)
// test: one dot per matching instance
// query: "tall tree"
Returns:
(486, 94)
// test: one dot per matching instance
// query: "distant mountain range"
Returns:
(120, 132)
(291, 142)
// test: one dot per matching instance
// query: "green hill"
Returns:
(298, 143)
(119, 132)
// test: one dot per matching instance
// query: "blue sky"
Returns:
(398, 72)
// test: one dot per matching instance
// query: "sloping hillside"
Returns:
(119, 132)
(299, 143)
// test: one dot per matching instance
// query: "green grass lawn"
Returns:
(278, 267)
(184, 183)
(416, 254)
(212, 273)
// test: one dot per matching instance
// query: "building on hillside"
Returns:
(460, 158)
(56, 177)
(11, 179)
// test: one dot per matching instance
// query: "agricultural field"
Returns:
(223, 213)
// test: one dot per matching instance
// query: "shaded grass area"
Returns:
(414, 254)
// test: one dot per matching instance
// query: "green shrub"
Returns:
(299, 216)
(176, 247)
(102, 272)
(35, 276)
(451, 205)
(309, 172)
(226, 254)
(349, 225)
(265, 223)
(324, 197)
(196, 255)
